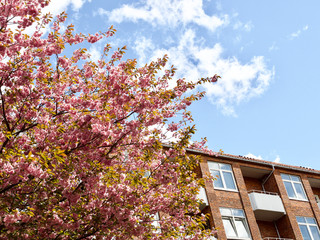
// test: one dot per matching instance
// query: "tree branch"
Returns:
(9, 187)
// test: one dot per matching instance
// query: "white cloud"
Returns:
(273, 47)
(250, 155)
(142, 47)
(277, 159)
(237, 39)
(191, 56)
(57, 6)
(298, 33)
(243, 26)
(95, 53)
(168, 13)
(219, 5)
(240, 81)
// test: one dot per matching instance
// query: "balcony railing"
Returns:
(263, 192)
(267, 206)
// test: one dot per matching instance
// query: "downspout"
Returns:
(264, 181)
(275, 225)
(267, 178)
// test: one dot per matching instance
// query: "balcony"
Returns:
(267, 206)
(203, 196)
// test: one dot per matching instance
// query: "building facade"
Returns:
(256, 199)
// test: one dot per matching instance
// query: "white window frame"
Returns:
(308, 225)
(232, 218)
(293, 187)
(212, 168)
(156, 222)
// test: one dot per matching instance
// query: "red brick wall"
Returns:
(267, 229)
(285, 228)
(253, 184)
(228, 199)
(271, 185)
(301, 208)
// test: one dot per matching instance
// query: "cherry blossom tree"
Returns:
(81, 142)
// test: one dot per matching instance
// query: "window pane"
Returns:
(305, 232)
(225, 166)
(311, 220)
(155, 220)
(285, 176)
(229, 228)
(229, 180)
(238, 213)
(301, 220)
(295, 178)
(241, 229)
(315, 233)
(289, 188)
(225, 211)
(299, 190)
(213, 165)
(217, 182)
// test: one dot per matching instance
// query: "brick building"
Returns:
(256, 199)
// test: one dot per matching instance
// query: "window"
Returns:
(156, 222)
(235, 224)
(294, 187)
(224, 176)
(309, 228)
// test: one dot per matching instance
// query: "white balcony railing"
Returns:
(267, 206)
(263, 192)
(203, 196)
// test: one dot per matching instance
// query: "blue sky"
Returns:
(266, 103)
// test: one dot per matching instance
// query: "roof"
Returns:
(255, 160)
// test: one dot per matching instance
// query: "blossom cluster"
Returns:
(76, 138)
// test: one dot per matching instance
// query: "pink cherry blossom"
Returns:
(80, 153)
